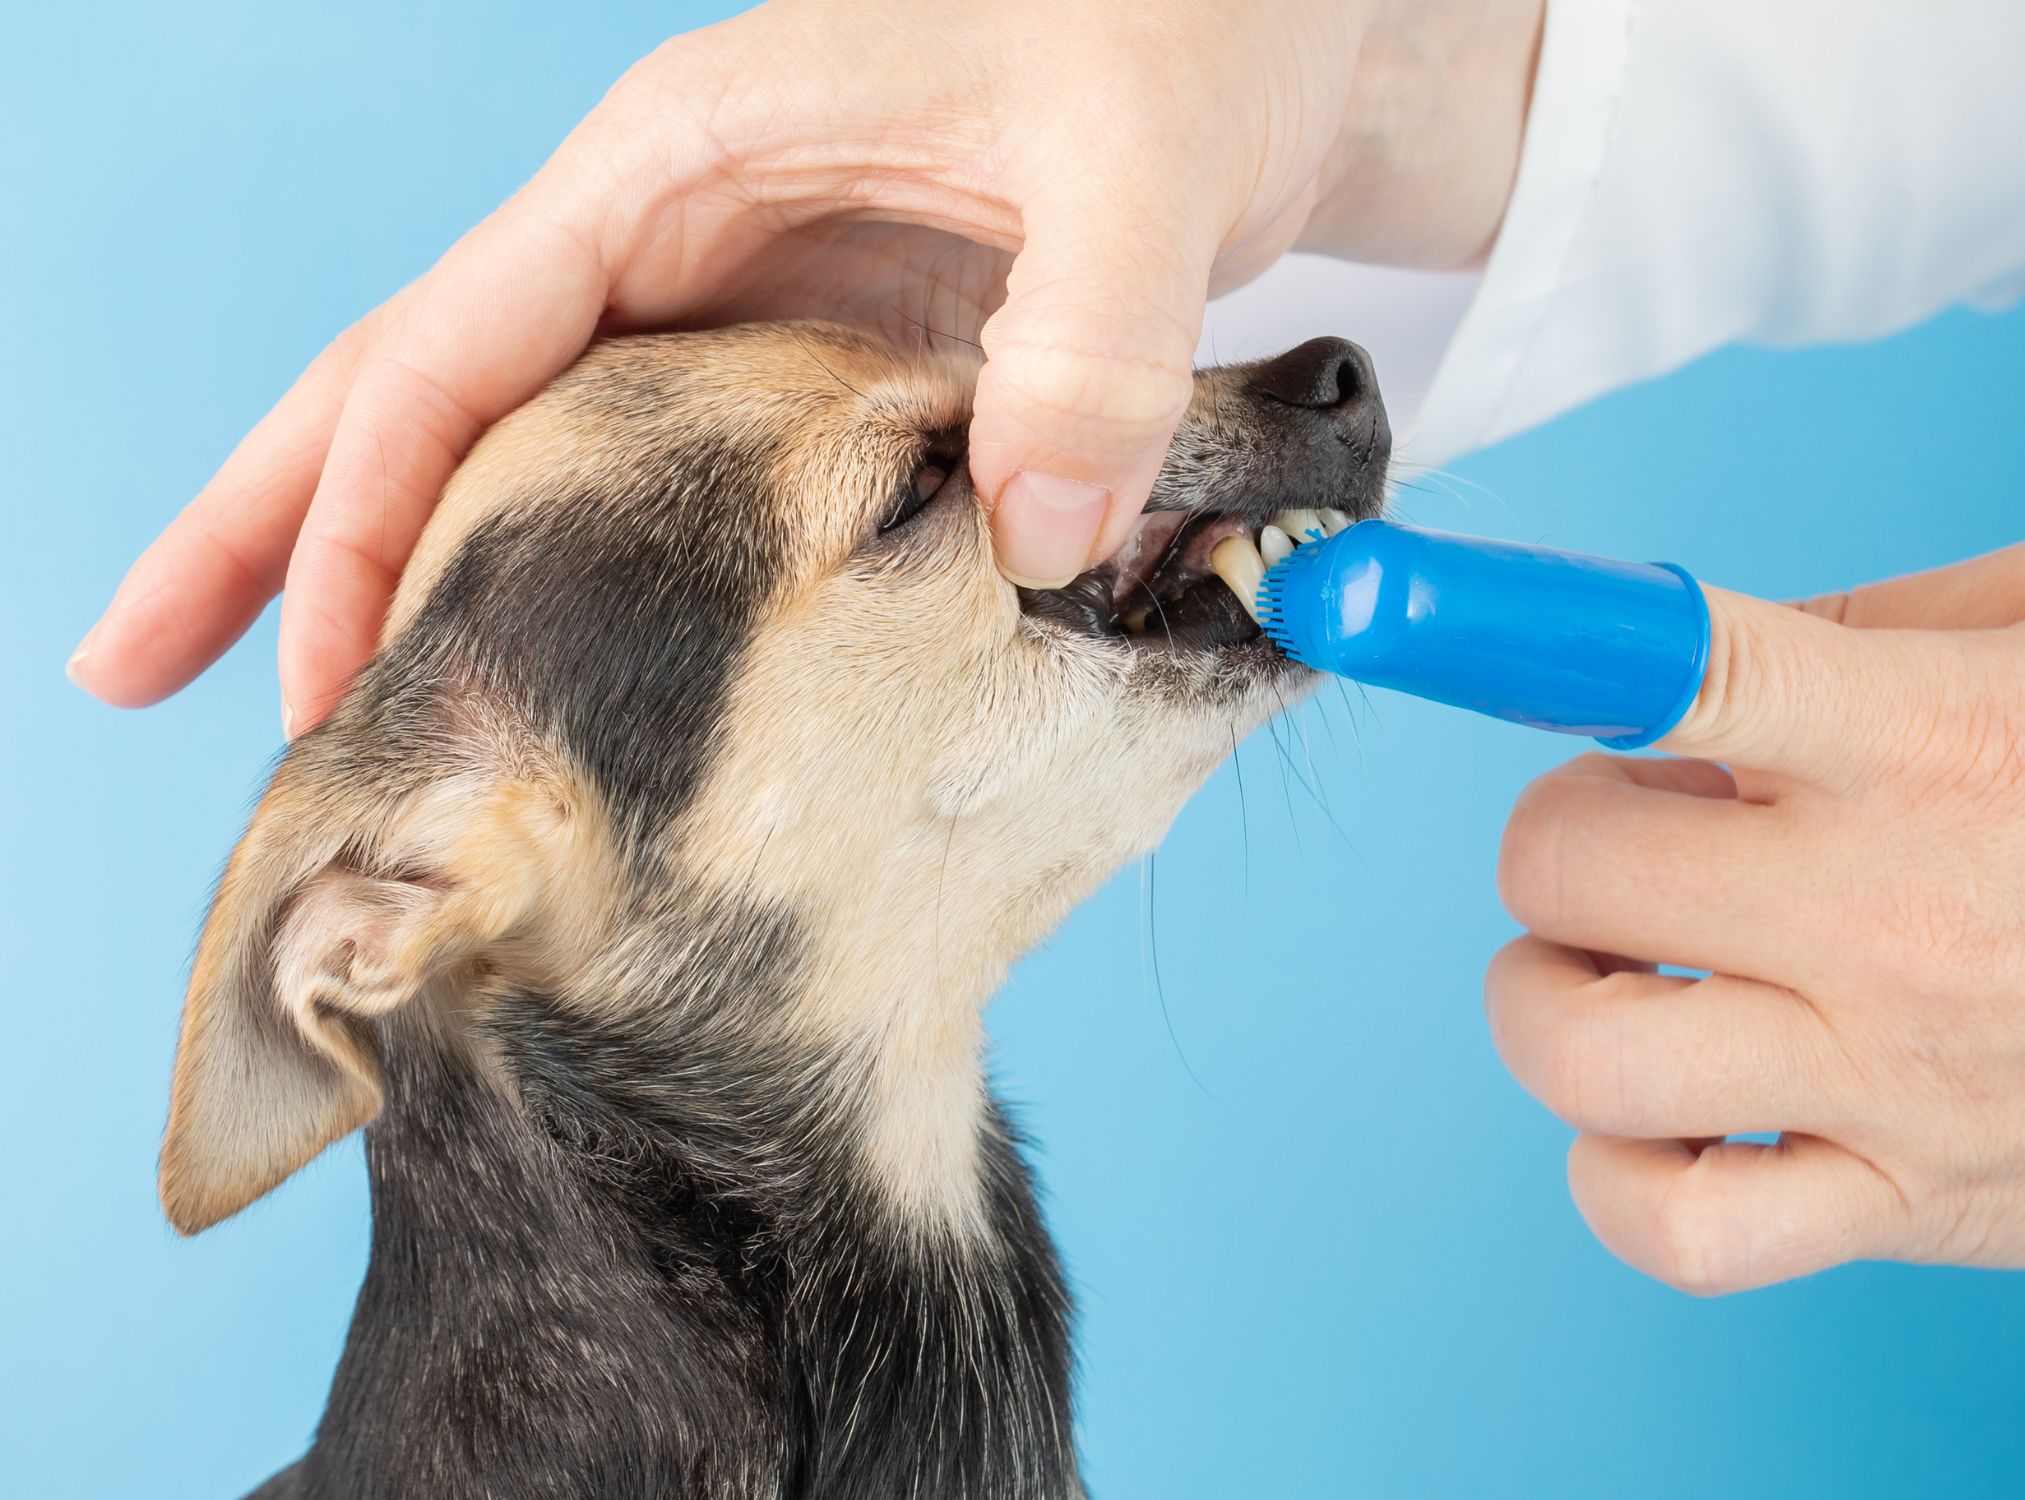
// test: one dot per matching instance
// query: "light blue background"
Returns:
(1344, 1263)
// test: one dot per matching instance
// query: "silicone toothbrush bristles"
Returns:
(1284, 599)
(1288, 605)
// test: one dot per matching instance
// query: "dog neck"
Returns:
(655, 1264)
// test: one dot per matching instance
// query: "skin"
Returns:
(1855, 884)
(1042, 178)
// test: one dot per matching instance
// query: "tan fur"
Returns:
(304, 943)
(788, 393)
(917, 763)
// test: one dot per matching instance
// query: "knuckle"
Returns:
(1958, 697)
(394, 383)
(344, 356)
(1529, 875)
(1834, 608)
(1140, 74)
(1592, 763)
(683, 114)
(675, 64)
(1697, 1249)
(1735, 684)
(1576, 1067)
(349, 347)
(1135, 395)
(1584, 1066)
(1498, 997)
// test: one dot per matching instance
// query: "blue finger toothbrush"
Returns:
(1555, 640)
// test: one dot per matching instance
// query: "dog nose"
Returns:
(1324, 375)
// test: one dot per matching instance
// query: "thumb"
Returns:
(1984, 593)
(1795, 694)
(1088, 368)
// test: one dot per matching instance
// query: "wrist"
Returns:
(1429, 150)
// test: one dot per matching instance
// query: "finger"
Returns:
(205, 579)
(508, 308)
(1735, 1215)
(1984, 593)
(1641, 1054)
(1794, 694)
(1088, 368)
(1692, 778)
(1598, 861)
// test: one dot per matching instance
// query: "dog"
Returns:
(641, 901)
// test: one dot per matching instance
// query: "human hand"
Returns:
(1066, 181)
(1856, 885)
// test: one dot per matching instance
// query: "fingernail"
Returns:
(287, 720)
(70, 668)
(1045, 527)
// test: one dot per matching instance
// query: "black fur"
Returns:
(653, 1276)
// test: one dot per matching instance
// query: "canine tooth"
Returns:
(1333, 521)
(1238, 564)
(1136, 621)
(1274, 544)
(1298, 523)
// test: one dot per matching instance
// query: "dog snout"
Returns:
(1330, 377)
(1330, 436)
(1301, 430)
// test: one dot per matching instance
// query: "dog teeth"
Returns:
(1237, 562)
(1299, 523)
(1135, 622)
(1242, 561)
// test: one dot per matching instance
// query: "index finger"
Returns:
(1796, 695)
(511, 305)
(204, 580)
(1983, 593)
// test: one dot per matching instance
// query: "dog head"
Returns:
(703, 671)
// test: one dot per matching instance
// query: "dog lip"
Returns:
(1162, 574)
(1145, 551)
(1192, 557)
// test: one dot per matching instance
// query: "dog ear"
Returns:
(337, 908)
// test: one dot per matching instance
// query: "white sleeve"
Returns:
(1702, 172)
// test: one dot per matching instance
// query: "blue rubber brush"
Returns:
(1555, 640)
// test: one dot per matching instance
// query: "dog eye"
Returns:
(921, 487)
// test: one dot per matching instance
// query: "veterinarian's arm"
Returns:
(1856, 884)
(1067, 182)
(1781, 172)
